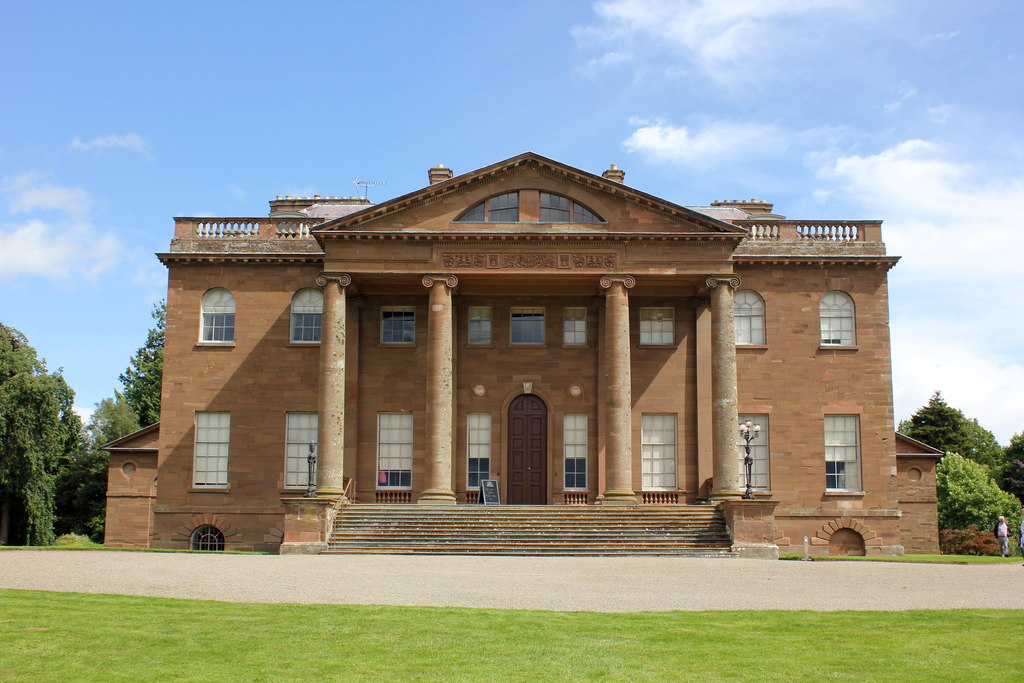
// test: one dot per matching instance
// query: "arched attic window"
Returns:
(218, 316)
(529, 206)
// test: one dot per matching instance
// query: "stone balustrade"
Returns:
(813, 231)
(244, 228)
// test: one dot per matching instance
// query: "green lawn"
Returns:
(71, 636)
(929, 559)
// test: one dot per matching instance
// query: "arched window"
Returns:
(501, 209)
(218, 316)
(557, 209)
(307, 314)
(207, 537)
(748, 309)
(838, 326)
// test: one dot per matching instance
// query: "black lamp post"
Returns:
(748, 432)
(311, 461)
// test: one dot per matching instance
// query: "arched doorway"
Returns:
(527, 451)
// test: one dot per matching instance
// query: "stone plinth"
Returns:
(307, 525)
(751, 525)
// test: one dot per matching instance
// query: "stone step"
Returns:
(691, 530)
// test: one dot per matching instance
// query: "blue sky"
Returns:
(117, 116)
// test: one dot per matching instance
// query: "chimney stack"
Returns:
(439, 174)
(615, 174)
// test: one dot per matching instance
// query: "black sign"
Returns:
(489, 492)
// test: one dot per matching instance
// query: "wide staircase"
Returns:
(688, 530)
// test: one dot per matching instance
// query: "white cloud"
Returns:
(905, 92)
(715, 142)
(31, 192)
(940, 113)
(130, 141)
(56, 251)
(724, 40)
(954, 224)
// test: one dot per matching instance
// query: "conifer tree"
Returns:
(142, 379)
(941, 426)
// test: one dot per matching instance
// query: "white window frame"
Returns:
(842, 453)
(211, 450)
(481, 325)
(307, 316)
(394, 450)
(838, 319)
(748, 310)
(478, 448)
(658, 451)
(760, 450)
(575, 448)
(524, 311)
(384, 334)
(657, 331)
(299, 430)
(217, 317)
(574, 326)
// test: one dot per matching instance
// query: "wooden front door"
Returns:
(527, 451)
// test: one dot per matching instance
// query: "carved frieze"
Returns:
(523, 261)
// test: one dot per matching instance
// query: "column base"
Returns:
(619, 497)
(719, 496)
(437, 497)
(333, 494)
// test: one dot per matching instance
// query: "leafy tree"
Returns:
(82, 483)
(969, 495)
(145, 372)
(941, 426)
(38, 432)
(1013, 475)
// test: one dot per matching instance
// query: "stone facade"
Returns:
(654, 284)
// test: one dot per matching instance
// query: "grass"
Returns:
(99, 546)
(71, 636)
(928, 559)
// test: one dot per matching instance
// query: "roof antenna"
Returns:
(366, 185)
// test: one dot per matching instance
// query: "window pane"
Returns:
(503, 208)
(480, 325)
(300, 431)
(748, 310)
(759, 451)
(574, 439)
(842, 452)
(397, 324)
(478, 448)
(394, 450)
(837, 319)
(574, 326)
(210, 463)
(658, 451)
(527, 326)
(656, 326)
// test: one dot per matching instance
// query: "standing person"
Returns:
(1002, 532)
(1021, 537)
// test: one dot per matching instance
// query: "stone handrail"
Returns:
(814, 231)
(244, 228)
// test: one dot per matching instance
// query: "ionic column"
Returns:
(440, 396)
(618, 435)
(724, 415)
(331, 421)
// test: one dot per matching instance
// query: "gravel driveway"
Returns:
(614, 584)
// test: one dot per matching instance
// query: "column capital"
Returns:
(729, 279)
(343, 279)
(628, 281)
(431, 279)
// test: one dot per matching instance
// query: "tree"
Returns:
(38, 432)
(941, 426)
(82, 483)
(1013, 475)
(144, 375)
(969, 495)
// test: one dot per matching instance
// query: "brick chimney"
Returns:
(439, 174)
(615, 174)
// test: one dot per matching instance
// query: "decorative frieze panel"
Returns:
(530, 261)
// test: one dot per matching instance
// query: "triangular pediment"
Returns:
(146, 439)
(436, 209)
(906, 445)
